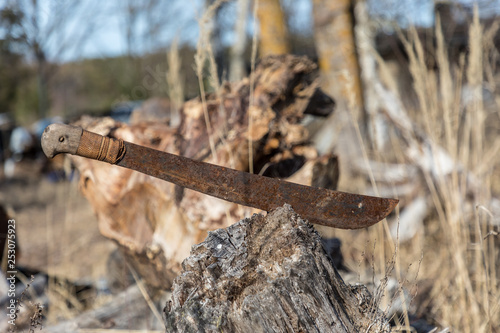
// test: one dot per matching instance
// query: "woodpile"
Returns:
(256, 128)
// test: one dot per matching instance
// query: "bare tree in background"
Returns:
(131, 19)
(52, 31)
(237, 62)
(147, 23)
(11, 36)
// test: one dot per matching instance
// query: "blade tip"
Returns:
(390, 207)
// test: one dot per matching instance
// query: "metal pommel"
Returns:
(60, 138)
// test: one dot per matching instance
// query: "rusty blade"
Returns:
(318, 205)
(321, 206)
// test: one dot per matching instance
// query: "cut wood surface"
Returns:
(267, 274)
(155, 223)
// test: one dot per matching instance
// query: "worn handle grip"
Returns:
(60, 138)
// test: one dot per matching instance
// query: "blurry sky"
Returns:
(102, 28)
(111, 40)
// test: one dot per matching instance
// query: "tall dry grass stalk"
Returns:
(174, 81)
(253, 59)
(204, 54)
(386, 248)
(454, 254)
(205, 57)
(458, 257)
(450, 266)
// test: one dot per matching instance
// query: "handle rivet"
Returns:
(61, 139)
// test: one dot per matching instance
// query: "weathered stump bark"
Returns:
(267, 274)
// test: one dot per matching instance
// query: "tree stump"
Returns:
(267, 274)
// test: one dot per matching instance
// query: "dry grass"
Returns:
(447, 273)
(465, 286)
(252, 84)
(174, 78)
(453, 259)
(204, 54)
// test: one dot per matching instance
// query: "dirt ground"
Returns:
(56, 229)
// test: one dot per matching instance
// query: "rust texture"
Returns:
(318, 205)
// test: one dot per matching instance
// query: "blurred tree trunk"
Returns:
(42, 82)
(41, 63)
(374, 122)
(273, 28)
(237, 65)
(335, 44)
(37, 26)
(133, 11)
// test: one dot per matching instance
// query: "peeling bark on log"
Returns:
(267, 274)
(155, 223)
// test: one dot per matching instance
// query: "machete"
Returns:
(318, 205)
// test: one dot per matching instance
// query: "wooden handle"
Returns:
(60, 138)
